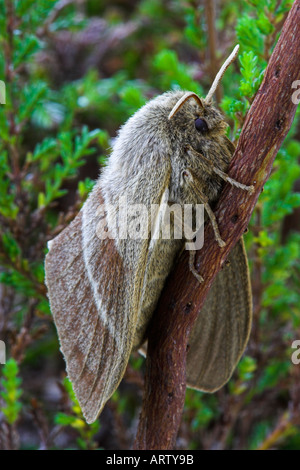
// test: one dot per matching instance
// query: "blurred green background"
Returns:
(74, 72)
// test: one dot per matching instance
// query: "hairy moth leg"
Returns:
(192, 182)
(210, 168)
(191, 179)
(192, 255)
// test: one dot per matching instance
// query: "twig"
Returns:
(55, 12)
(210, 13)
(257, 283)
(288, 420)
(284, 426)
(9, 77)
(265, 128)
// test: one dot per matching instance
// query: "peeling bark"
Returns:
(264, 130)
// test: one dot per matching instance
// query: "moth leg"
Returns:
(210, 168)
(190, 178)
(192, 254)
(233, 182)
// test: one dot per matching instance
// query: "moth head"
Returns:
(193, 120)
(208, 121)
(165, 125)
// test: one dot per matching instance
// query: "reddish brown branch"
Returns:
(265, 128)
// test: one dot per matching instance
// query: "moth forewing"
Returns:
(95, 286)
(96, 344)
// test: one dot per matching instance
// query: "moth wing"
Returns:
(222, 329)
(94, 298)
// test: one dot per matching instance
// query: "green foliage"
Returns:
(72, 155)
(251, 76)
(75, 419)
(245, 373)
(173, 74)
(11, 391)
(195, 25)
(248, 34)
(8, 208)
(200, 410)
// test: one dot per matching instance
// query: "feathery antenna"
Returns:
(220, 74)
(182, 100)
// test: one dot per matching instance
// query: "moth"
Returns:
(103, 289)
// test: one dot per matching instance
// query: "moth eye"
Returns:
(201, 125)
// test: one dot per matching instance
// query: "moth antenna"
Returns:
(220, 74)
(182, 100)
